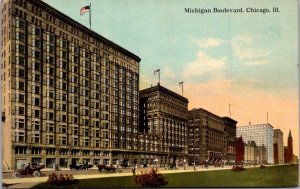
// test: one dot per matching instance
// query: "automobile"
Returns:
(124, 165)
(81, 166)
(106, 169)
(144, 165)
(35, 171)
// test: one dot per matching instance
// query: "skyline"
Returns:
(246, 60)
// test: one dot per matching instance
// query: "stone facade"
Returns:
(163, 117)
(69, 94)
(211, 137)
(278, 147)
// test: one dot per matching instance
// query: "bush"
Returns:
(238, 168)
(54, 179)
(150, 179)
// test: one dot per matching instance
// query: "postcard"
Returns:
(127, 93)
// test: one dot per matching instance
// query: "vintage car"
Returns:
(35, 171)
(81, 166)
(106, 169)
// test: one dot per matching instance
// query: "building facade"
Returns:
(288, 150)
(262, 134)
(254, 155)
(240, 150)
(211, 137)
(163, 115)
(68, 93)
(278, 147)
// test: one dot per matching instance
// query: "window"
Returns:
(75, 141)
(64, 140)
(21, 73)
(63, 129)
(20, 137)
(51, 105)
(64, 118)
(36, 113)
(21, 98)
(36, 90)
(36, 101)
(50, 127)
(21, 110)
(86, 142)
(20, 61)
(50, 115)
(20, 124)
(36, 138)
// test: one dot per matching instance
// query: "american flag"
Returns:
(84, 10)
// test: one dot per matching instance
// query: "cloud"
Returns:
(255, 63)
(209, 42)
(245, 49)
(203, 64)
(168, 72)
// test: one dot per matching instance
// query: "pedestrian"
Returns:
(133, 170)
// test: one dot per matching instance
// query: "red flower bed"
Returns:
(238, 168)
(150, 179)
(54, 179)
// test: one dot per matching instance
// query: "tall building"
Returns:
(68, 93)
(278, 147)
(211, 137)
(163, 113)
(262, 134)
(288, 150)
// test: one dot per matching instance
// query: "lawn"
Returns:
(279, 176)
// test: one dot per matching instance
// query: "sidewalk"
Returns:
(127, 172)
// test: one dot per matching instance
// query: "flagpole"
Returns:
(90, 16)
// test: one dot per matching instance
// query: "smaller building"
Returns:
(255, 155)
(251, 153)
(240, 150)
(278, 147)
(288, 150)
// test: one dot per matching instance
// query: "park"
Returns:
(272, 176)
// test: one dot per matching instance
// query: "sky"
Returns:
(247, 60)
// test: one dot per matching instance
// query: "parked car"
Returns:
(80, 166)
(35, 171)
(144, 165)
(106, 169)
(124, 165)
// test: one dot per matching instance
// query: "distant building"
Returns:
(262, 134)
(295, 159)
(288, 150)
(240, 150)
(261, 155)
(255, 154)
(163, 113)
(278, 147)
(251, 153)
(211, 137)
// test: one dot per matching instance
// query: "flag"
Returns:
(84, 10)
(156, 71)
